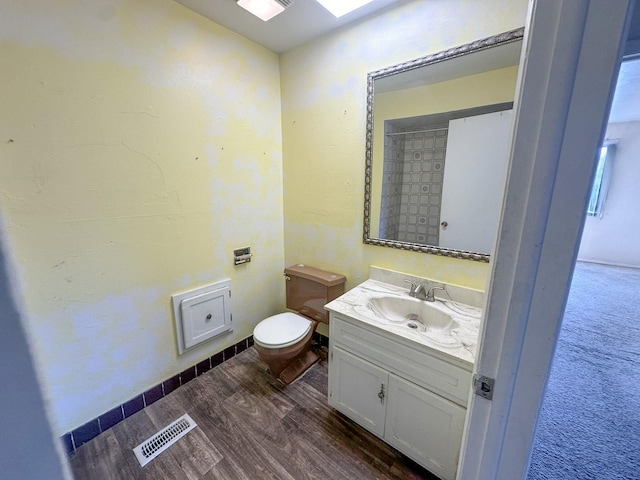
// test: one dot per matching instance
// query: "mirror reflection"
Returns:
(438, 136)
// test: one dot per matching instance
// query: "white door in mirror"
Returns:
(474, 179)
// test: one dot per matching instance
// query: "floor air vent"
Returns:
(158, 443)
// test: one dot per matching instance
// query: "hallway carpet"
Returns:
(589, 426)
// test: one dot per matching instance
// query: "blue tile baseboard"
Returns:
(95, 427)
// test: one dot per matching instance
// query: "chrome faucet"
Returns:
(420, 292)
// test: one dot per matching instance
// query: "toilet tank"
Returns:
(309, 289)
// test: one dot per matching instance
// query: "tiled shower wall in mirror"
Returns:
(412, 183)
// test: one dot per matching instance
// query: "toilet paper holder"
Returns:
(242, 255)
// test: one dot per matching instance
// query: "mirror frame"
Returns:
(479, 45)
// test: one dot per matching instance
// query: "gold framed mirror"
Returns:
(437, 137)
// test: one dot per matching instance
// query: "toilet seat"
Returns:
(281, 330)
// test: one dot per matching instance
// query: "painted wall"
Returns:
(138, 149)
(323, 123)
(614, 238)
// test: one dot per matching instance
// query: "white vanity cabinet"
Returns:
(358, 389)
(401, 392)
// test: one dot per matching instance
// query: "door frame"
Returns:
(571, 55)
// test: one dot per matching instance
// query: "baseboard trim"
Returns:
(95, 427)
(84, 433)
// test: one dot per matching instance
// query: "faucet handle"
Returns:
(412, 288)
(430, 294)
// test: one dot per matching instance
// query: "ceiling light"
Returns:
(264, 9)
(339, 8)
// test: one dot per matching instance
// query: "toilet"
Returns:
(283, 341)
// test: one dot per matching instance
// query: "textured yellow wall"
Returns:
(486, 88)
(323, 123)
(140, 144)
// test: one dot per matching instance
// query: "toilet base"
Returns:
(300, 365)
(288, 363)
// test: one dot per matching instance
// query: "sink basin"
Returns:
(416, 314)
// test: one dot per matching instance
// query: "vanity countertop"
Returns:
(459, 343)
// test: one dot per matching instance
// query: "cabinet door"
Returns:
(358, 389)
(424, 426)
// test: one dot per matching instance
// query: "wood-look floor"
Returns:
(249, 427)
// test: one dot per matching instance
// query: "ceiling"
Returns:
(303, 21)
(306, 20)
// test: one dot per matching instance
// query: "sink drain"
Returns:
(412, 325)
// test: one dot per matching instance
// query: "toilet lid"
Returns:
(281, 330)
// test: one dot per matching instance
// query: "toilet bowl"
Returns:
(283, 341)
